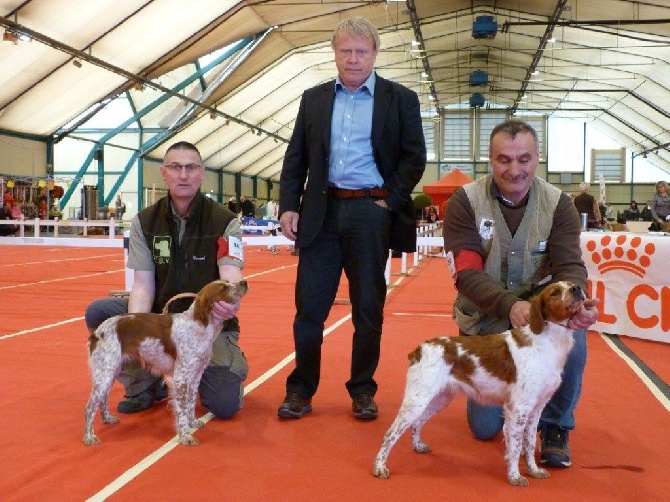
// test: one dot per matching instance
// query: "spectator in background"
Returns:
(646, 212)
(233, 206)
(247, 207)
(431, 214)
(602, 207)
(6, 214)
(17, 214)
(8, 197)
(660, 204)
(271, 210)
(42, 208)
(119, 208)
(633, 212)
(586, 203)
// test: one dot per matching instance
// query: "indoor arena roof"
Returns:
(228, 75)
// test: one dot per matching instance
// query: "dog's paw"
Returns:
(188, 440)
(517, 480)
(381, 472)
(110, 419)
(539, 473)
(421, 447)
(91, 440)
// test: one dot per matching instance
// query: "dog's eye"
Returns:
(555, 292)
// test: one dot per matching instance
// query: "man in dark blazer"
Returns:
(356, 154)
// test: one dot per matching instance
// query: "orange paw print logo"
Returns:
(621, 253)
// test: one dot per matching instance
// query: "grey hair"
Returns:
(512, 128)
(184, 145)
(357, 27)
(662, 183)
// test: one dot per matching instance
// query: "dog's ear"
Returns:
(205, 300)
(203, 307)
(536, 314)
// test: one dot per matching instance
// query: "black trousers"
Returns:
(354, 238)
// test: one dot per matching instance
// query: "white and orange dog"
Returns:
(178, 346)
(519, 369)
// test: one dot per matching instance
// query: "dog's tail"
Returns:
(414, 356)
(93, 340)
(177, 297)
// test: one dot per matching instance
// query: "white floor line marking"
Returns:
(22, 285)
(154, 457)
(645, 379)
(40, 328)
(32, 263)
(257, 274)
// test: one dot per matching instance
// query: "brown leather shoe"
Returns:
(364, 407)
(294, 406)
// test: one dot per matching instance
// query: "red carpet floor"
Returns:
(619, 446)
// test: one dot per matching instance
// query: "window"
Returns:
(608, 163)
(457, 137)
(466, 134)
(487, 121)
(539, 123)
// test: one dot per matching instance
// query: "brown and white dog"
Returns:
(176, 345)
(519, 369)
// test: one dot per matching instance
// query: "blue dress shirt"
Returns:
(352, 164)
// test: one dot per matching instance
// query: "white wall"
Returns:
(22, 157)
(567, 150)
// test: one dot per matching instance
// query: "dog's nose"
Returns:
(577, 291)
(243, 284)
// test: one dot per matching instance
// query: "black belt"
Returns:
(343, 193)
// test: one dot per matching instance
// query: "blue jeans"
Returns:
(487, 421)
(221, 390)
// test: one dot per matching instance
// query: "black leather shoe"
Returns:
(364, 407)
(143, 400)
(554, 449)
(294, 406)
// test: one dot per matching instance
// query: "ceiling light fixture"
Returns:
(10, 37)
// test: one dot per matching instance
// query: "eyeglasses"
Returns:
(176, 168)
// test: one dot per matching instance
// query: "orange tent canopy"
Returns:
(442, 189)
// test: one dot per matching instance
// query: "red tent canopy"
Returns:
(442, 189)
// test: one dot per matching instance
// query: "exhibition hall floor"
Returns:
(619, 447)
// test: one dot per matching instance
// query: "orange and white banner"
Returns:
(630, 274)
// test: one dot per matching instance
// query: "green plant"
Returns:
(422, 201)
